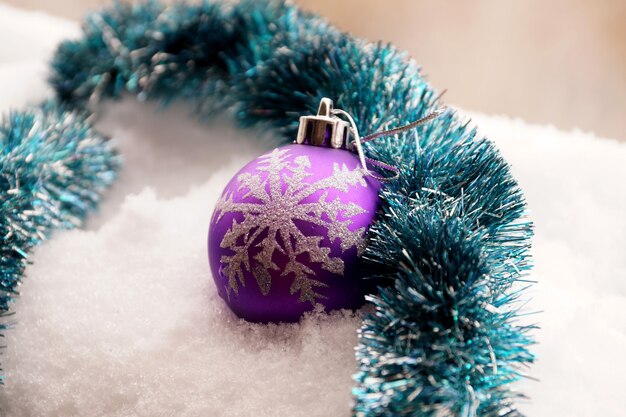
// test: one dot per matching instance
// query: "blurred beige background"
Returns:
(561, 62)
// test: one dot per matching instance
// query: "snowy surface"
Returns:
(121, 318)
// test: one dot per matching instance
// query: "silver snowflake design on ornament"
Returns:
(272, 209)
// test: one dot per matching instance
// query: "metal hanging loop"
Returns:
(327, 128)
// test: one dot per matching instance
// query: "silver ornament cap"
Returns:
(325, 129)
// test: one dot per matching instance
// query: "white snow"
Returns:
(121, 318)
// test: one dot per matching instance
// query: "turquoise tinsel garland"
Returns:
(450, 238)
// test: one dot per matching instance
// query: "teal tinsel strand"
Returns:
(450, 241)
(442, 341)
(53, 169)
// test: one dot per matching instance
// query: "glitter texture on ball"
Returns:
(288, 231)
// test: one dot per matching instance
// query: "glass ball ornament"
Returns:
(290, 227)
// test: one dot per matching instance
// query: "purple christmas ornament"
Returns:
(288, 231)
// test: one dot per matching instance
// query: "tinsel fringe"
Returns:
(450, 239)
